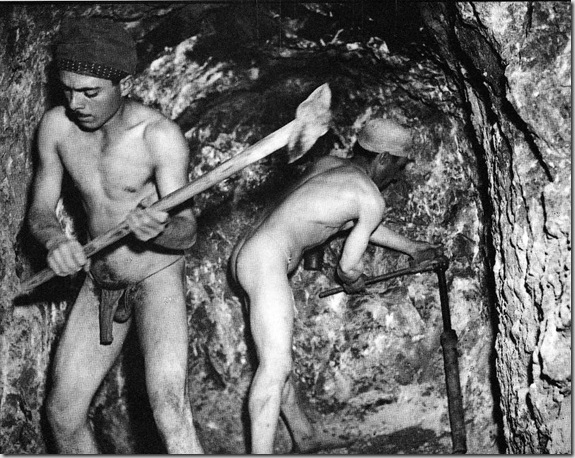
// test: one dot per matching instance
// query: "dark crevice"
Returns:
(482, 77)
(528, 136)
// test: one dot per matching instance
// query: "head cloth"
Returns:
(384, 135)
(96, 47)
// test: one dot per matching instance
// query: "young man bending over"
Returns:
(334, 195)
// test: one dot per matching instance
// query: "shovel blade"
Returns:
(312, 120)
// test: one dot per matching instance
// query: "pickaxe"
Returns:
(448, 340)
(312, 120)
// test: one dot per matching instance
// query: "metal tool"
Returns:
(451, 365)
(313, 259)
(448, 341)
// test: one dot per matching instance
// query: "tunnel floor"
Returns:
(409, 441)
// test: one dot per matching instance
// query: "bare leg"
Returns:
(261, 269)
(271, 316)
(264, 279)
(162, 328)
(80, 365)
(307, 437)
(298, 423)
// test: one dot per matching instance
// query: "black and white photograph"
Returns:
(233, 227)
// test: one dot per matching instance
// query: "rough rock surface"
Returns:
(514, 64)
(491, 180)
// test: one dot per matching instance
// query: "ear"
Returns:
(126, 85)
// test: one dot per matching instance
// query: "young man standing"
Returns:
(334, 195)
(121, 157)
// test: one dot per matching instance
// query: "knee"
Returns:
(169, 406)
(276, 370)
(269, 384)
(284, 368)
(64, 415)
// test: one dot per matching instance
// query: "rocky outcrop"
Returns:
(512, 61)
(485, 87)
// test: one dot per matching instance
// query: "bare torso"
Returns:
(327, 200)
(113, 173)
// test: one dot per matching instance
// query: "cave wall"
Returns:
(372, 365)
(513, 64)
(28, 330)
(369, 366)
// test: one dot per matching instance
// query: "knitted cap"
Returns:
(95, 47)
(384, 135)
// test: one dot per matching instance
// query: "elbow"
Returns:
(191, 232)
(191, 241)
(347, 273)
(193, 228)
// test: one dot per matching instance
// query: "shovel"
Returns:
(312, 120)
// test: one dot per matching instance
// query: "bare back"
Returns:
(333, 195)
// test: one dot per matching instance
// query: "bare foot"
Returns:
(322, 441)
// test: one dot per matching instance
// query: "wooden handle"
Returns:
(259, 150)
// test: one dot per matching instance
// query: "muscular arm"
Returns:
(42, 218)
(65, 256)
(387, 238)
(418, 250)
(370, 214)
(170, 154)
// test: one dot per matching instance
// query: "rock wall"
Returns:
(369, 366)
(513, 65)
(27, 325)
(491, 180)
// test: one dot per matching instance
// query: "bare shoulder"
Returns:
(338, 170)
(160, 134)
(322, 167)
(55, 113)
(336, 178)
(327, 163)
(350, 181)
(55, 119)
(156, 124)
(53, 129)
